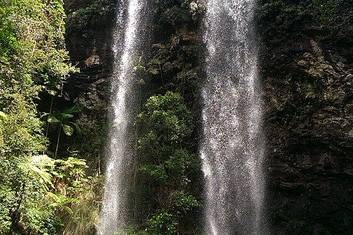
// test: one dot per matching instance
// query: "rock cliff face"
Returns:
(88, 37)
(89, 27)
(306, 65)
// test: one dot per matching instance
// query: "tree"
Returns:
(63, 121)
(166, 162)
(33, 59)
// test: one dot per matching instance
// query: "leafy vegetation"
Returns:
(166, 162)
(80, 18)
(38, 195)
(47, 187)
(34, 63)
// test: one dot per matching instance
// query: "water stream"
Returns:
(127, 35)
(232, 150)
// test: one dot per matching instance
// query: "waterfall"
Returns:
(232, 150)
(126, 38)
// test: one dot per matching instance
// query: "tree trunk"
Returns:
(58, 141)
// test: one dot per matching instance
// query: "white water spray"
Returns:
(232, 150)
(115, 212)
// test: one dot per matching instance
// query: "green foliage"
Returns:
(48, 197)
(165, 120)
(63, 122)
(32, 59)
(162, 223)
(92, 136)
(183, 203)
(20, 138)
(326, 9)
(94, 9)
(64, 118)
(168, 164)
(37, 193)
(171, 13)
(84, 212)
(166, 126)
(20, 130)
(33, 55)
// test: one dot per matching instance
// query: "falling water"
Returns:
(232, 151)
(126, 39)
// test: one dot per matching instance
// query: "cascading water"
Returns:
(232, 150)
(126, 38)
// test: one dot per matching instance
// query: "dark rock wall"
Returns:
(90, 25)
(88, 38)
(306, 65)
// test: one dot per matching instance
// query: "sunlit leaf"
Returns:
(68, 130)
(2, 116)
(52, 119)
